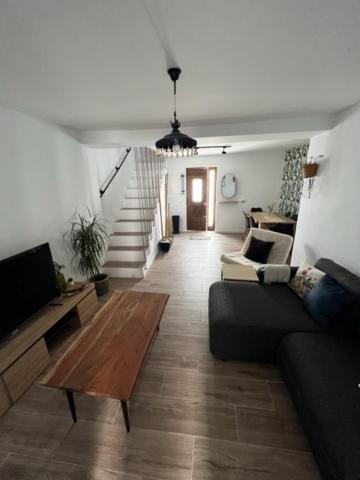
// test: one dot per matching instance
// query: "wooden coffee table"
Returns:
(107, 357)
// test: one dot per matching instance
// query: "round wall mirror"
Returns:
(228, 185)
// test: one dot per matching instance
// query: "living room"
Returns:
(176, 349)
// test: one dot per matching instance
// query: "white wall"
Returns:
(328, 224)
(259, 179)
(43, 179)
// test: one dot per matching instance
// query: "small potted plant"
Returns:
(60, 279)
(165, 244)
(310, 167)
(87, 239)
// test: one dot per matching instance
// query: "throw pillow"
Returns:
(326, 301)
(258, 250)
(305, 279)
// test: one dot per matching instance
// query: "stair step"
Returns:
(141, 198)
(117, 264)
(138, 208)
(130, 248)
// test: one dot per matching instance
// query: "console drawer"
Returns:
(85, 308)
(5, 401)
(21, 374)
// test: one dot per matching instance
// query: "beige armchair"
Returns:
(279, 252)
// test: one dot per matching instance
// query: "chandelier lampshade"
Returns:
(175, 143)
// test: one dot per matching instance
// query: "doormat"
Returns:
(200, 237)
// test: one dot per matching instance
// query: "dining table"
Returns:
(265, 219)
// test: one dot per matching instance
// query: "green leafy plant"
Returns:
(87, 239)
(58, 268)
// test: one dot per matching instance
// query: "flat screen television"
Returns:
(27, 284)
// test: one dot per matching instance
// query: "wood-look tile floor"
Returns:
(193, 417)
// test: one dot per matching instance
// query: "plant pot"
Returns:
(164, 246)
(101, 281)
(310, 170)
(61, 282)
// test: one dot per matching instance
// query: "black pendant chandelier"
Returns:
(176, 144)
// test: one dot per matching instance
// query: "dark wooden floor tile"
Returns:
(250, 370)
(17, 467)
(185, 327)
(53, 401)
(268, 428)
(220, 460)
(3, 456)
(149, 382)
(183, 416)
(281, 399)
(216, 390)
(176, 351)
(150, 453)
(42, 400)
(32, 434)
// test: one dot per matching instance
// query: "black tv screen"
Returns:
(27, 284)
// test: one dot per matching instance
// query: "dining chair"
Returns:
(247, 223)
(254, 224)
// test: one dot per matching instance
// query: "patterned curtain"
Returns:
(292, 180)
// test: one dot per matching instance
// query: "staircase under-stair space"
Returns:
(136, 231)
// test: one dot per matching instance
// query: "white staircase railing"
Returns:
(150, 169)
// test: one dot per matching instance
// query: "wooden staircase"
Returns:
(133, 231)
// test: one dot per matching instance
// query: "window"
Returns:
(211, 203)
(197, 190)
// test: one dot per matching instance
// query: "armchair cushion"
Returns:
(258, 250)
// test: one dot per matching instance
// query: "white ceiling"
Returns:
(92, 64)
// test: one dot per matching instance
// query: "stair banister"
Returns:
(115, 171)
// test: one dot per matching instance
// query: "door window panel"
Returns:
(197, 190)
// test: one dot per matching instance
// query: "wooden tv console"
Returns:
(25, 355)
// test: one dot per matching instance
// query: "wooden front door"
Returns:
(196, 198)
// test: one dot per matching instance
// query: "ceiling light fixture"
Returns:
(224, 147)
(176, 144)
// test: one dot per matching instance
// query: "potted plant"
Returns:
(87, 239)
(310, 167)
(60, 279)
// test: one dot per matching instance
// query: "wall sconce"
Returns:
(182, 176)
(310, 169)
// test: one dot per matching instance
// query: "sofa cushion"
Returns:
(247, 320)
(326, 301)
(351, 283)
(322, 374)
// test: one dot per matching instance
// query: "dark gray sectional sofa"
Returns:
(258, 322)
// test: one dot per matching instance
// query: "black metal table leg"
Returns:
(70, 397)
(126, 415)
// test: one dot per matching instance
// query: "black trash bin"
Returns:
(176, 223)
